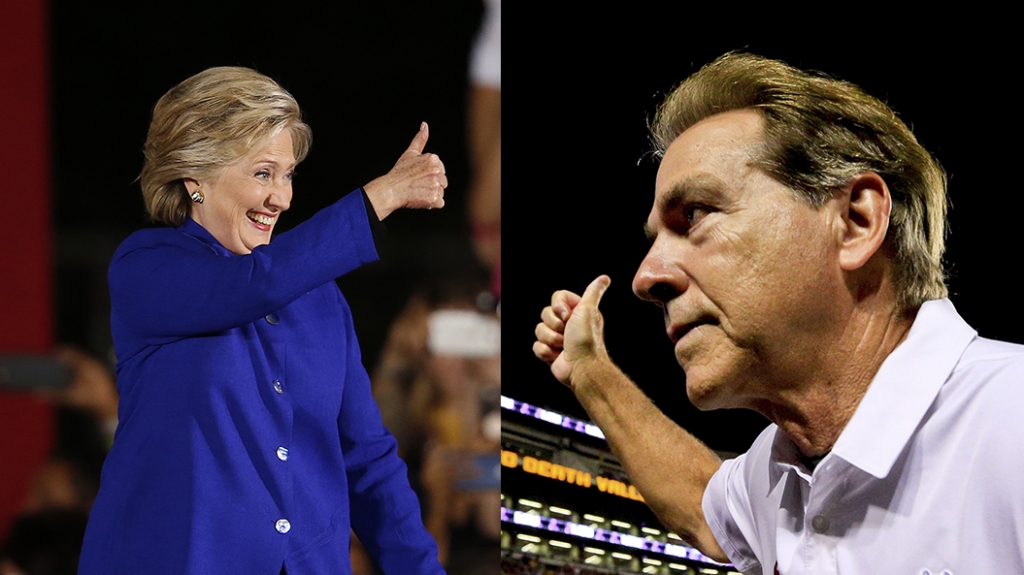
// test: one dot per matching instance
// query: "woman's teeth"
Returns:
(260, 218)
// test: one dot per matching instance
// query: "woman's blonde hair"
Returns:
(207, 122)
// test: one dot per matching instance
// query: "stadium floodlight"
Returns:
(593, 430)
(581, 530)
(552, 417)
(528, 519)
(548, 416)
(631, 541)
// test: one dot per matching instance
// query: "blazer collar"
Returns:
(192, 229)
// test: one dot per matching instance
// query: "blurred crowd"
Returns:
(530, 565)
(438, 385)
(46, 536)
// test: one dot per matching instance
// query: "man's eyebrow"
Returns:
(687, 189)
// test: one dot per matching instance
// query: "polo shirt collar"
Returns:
(904, 388)
(192, 228)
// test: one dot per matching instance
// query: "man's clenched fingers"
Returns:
(544, 352)
(563, 302)
(549, 337)
(551, 319)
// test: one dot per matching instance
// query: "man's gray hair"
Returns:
(819, 133)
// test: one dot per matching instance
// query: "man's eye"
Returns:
(694, 214)
(682, 219)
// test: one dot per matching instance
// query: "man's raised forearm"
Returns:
(668, 465)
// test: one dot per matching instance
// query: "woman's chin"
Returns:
(253, 241)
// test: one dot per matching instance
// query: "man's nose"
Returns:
(660, 278)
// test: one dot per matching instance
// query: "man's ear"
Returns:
(866, 204)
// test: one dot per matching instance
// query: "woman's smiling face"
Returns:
(243, 201)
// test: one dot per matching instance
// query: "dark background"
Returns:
(365, 73)
(582, 186)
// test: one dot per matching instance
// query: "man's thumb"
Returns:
(595, 291)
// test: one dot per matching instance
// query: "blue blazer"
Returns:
(248, 438)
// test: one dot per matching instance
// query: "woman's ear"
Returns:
(191, 185)
(194, 189)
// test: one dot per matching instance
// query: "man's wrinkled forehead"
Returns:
(727, 141)
(738, 135)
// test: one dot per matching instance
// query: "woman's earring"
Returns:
(197, 197)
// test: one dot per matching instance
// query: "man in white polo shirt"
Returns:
(797, 235)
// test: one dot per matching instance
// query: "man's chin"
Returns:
(716, 383)
(706, 394)
(703, 403)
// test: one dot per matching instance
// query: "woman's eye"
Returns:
(290, 176)
(263, 174)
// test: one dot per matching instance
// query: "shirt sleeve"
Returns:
(741, 504)
(726, 500)
(165, 285)
(384, 509)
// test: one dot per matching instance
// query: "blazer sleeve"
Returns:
(385, 511)
(165, 285)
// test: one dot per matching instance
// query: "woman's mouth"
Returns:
(261, 221)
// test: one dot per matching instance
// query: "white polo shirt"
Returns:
(927, 478)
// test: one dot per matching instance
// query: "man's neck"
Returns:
(813, 415)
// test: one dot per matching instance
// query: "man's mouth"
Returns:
(677, 332)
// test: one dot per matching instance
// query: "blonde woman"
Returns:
(248, 440)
